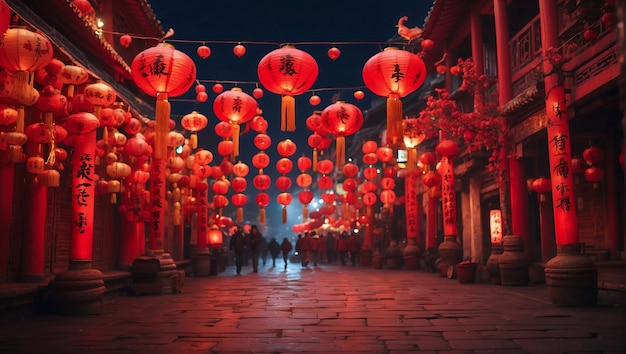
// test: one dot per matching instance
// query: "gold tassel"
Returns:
(70, 91)
(176, 215)
(262, 216)
(305, 212)
(113, 198)
(105, 136)
(236, 129)
(239, 214)
(288, 114)
(394, 120)
(193, 140)
(162, 125)
(22, 84)
(341, 151)
(284, 214)
(314, 160)
(48, 116)
(411, 161)
(97, 111)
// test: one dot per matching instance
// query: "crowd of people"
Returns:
(310, 248)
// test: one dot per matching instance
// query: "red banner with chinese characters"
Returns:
(157, 204)
(203, 217)
(560, 154)
(448, 197)
(411, 206)
(83, 192)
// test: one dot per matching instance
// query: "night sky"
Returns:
(365, 24)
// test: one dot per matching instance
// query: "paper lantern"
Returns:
(594, 174)
(593, 155)
(304, 163)
(370, 158)
(226, 167)
(286, 148)
(325, 166)
(240, 169)
(257, 92)
(73, 75)
(215, 236)
(288, 72)
(447, 148)
(225, 148)
(220, 201)
(305, 197)
(431, 179)
(194, 122)
(262, 200)
(260, 160)
(203, 157)
(342, 119)
(262, 141)
(369, 146)
(387, 197)
(284, 165)
(369, 199)
(163, 69)
(283, 183)
(325, 182)
(203, 51)
(334, 53)
(239, 200)
(370, 173)
(259, 124)
(384, 154)
(304, 180)
(315, 141)
(224, 130)
(542, 186)
(262, 182)
(394, 73)
(350, 184)
(578, 165)
(284, 199)
(236, 107)
(23, 52)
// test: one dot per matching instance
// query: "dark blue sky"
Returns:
(371, 21)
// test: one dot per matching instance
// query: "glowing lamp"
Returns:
(495, 225)
(260, 160)
(215, 237)
(593, 155)
(594, 174)
(350, 170)
(235, 107)
(194, 122)
(342, 119)
(239, 200)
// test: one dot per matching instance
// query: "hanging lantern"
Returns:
(284, 199)
(370, 158)
(315, 141)
(225, 148)
(305, 197)
(542, 186)
(304, 163)
(447, 148)
(431, 179)
(593, 155)
(240, 169)
(239, 200)
(342, 119)
(262, 182)
(215, 237)
(578, 165)
(260, 161)
(369, 146)
(394, 73)
(286, 148)
(594, 174)
(288, 72)
(262, 141)
(24, 52)
(304, 180)
(259, 124)
(370, 173)
(325, 182)
(73, 75)
(194, 122)
(284, 165)
(203, 51)
(350, 184)
(235, 107)
(262, 200)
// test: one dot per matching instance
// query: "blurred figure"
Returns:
(286, 248)
(256, 241)
(238, 245)
(274, 249)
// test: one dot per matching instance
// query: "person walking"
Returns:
(315, 248)
(286, 247)
(274, 248)
(256, 240)
(354, 246)
(238, 246)
(342, 247)
(305, 249)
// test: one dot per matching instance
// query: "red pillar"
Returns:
(548, 245)
(7, 178)
(33, 243)
(431, 219)
(519, 204)
(503, 54)
(129, 243)
(203, 214)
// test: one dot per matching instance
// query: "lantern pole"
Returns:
(201, 261)
(7, 178)
(571, 277)
(80, 289)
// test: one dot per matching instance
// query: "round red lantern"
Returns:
(369, 198)
(428, 158)
(220, 201)
(262, 141)
(593, 155)
(72, 75)
(325, 182)
(288, 72)
(216, 172)
(239, 200)
(387, 196)
(350, 170)
(369, 146)
(235, 107)
(223, 130)
(239, 184)
(578, 165)
(125, 40)
(594, 174)
(314, 100)
(283, 183)
(215, 234)
(220, 187)
(387, 183)
(384, 154)
(226, 167)
(350, 184)
(394, 73)
(542, 186)
(447, 148)
(334, 53)
(259, 124)
(203, 51)
(369, 186)
(370, 158)
(225, 147)
(284, 199)
(304, 180)
(262, 199)
(304, 163)
(240, 169)
(194, 122)
(314, 121)
(325, 166)
(257, 92)
(217, 88)
(239, 50)
(163, 69)
(203, 157)
(262, 182)
(260, 160)
(286, 148)
(359, 95)
(284, 166)
(342, 119)
(305, 196)
(370, 173)
(431, 179)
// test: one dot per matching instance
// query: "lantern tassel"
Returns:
(394, 120)
(70, 91)
(314, 160)
(305, 212)
(262, 216)
(22, 84)
(193, 140)
(176, 215)
(288, 114)
(113, 198)
(411, 161)
(19, 124)
(162, 125)
(236, 129)
(239, 214)
(284, 214)
(48, 116)
(341, 151)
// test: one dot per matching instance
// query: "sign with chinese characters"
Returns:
(495, 225)
(560, 155)
(83, 190)
(157, 207)
(448, 198)
(203, 217)
(411, 206)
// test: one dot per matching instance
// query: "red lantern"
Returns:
(215, 235)
(240, 169)
(220, 201)
(325, 182)
(328, 198)
(304, 163)
(387, 196)
(369, 146)
(325, 166)
(239, 184)
(350, 170)
(394, 73)
(283, 183)
(284, 199)
(431, 179)
(305, 196)
(349, 184)
(384, 154)
(594, 174)
(262, 199)
(259, 124)
(257, 93)
(314, 100)
(370, 158)
(284, 166)
(334, 53)
(314, 121)
(542, 186)
(358, 95)
(225, 147)
(593, 155)
(288, 72)
(262, 182)
(217, 88)
(447, 148)
(262, 141)
(578, 165)
(203, 51)
(239, 50)
(239, 200)
(235, 107)
(261, 160)
(220, 187)
(387, 183)
(226, 167)
(224, 130)
(304, 180)
(342, 119)
(369, 199)
(370, 173)
(125, 40)
(163, 69)
(194, 122)
(202, 157)
(286, 148)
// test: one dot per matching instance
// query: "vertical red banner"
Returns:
(411, 206)
(560, 154)
(448, 198)
(157, 204)
(203, 217)
(83, 192)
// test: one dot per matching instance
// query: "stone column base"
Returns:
(77, 291)
(201, 262)
(153, 274)
(411, 254)
(572, 278)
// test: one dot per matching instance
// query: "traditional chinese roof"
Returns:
(531, 94)
(441, 23)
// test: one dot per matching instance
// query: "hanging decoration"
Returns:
(304, 181)
(285, 148)
(288, 72)
(239, 185)
(342, 119)
(448, 148)
(194, 122)
(394, 73)
(235, 107)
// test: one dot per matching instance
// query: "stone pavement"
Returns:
(327, 309)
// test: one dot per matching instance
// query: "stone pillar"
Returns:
(411, 252)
